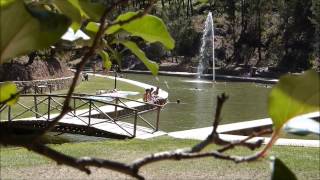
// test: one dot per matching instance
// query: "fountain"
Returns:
(207, 48)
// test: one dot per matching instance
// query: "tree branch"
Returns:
(251, 146)
(66, 108)
(132, 169)
(213, 137)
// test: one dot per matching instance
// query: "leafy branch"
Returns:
(92, 50)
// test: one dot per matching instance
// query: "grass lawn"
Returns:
(87, 87)
(100, 83)
(20, 163)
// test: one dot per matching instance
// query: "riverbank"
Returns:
(224, 78)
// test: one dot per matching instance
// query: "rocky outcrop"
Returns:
(20, 70)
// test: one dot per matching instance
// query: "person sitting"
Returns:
(149, 96)
(146, 95)
(151, 91)
(156, 92)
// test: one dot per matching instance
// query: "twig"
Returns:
(213, 137)
(251, 146)
(132, 169)
(220, 101)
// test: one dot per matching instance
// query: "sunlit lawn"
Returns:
(303, 161)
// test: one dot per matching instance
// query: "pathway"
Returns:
(245, 127)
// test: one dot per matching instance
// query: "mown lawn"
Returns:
(20, 163)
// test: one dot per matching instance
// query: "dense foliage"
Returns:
(279, 33)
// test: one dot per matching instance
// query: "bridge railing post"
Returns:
(135, 123)
(158, 118)
(90, 106)
(116, 108)
(35, 105)
(49, 107)
(9, 113)
(74, 107)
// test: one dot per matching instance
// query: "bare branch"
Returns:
(251, 146)
(9, 138)
(213, 137)
(220, 101)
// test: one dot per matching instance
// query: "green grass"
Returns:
(86, 87)
(303, 161)
(99, 83)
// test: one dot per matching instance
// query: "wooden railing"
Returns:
(48, 106)
(123, 101)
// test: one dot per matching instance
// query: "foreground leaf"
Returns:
(94, 10)
(67, 8)
(148, 27)
(294, 95)
(76, 4)
(203, 1)
(33, 29)
(8, 90)
(106, 59)
(5, 2)
(92, 27)
(152, 66)
(280, 171)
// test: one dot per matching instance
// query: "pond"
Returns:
(247, 101)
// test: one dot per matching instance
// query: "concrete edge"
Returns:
(207, 76)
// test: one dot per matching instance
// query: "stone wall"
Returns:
(42, 86)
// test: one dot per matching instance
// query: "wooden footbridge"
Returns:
(102, 116)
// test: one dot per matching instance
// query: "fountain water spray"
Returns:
(207, 48)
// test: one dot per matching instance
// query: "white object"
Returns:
(71, 36)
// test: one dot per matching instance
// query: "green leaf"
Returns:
(203, 1)
(152, 66)
(76, 4)
(294, 95)
(30, 30)
(8, 90)
(67, 8)
(93, 9)
(92, 27)
(122, 17)
(106, 59)
(4, 3)
(91, 30)
(116, 56)
(280, 171)
(148, 27)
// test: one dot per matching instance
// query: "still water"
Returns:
(247, 101)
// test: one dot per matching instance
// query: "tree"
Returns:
(298, 35)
